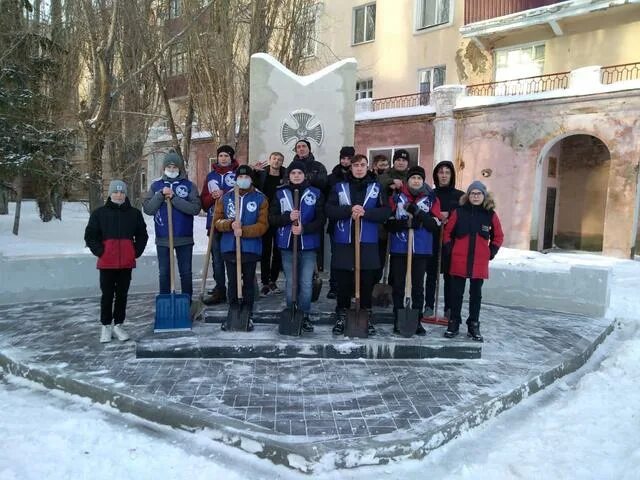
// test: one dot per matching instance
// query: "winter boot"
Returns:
(453, 328)
(218, 296)
(420, 330)
(307, 326)
(120, 333)
(473, 331)
(395, 322)
(341, 316)
(332, 295)
(105, 333)
(371, 329)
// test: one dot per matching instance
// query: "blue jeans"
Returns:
(218, 263)
(306, 268)
(183, 255)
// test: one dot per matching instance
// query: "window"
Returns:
(414, 153)
(177, 60)
(519, 62)
(364, 89)
(175, 8)
(364, 23)
(428, 79)
(432, 12)
(310, 20)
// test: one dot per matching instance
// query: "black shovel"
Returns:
(291, 317)
(357, 320)
(407, 317)
(239, 313)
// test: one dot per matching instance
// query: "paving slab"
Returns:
(305, 413)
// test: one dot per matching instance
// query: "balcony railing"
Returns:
(479, 10)
(620, 73)
(521, 86)
(400, 101)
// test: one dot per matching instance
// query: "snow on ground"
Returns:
(585, 426)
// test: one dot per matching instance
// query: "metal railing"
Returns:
(620, 73)
(521, 86)
(401, 101)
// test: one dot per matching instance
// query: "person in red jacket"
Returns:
(472, 236)
(117, 235)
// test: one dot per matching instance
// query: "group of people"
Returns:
(278, 206)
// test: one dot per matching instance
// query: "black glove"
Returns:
(411, 209)
(429, 222)
(493, 249)
(416, 222)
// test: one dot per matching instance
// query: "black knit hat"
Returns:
(401, 153)
(244, 170)
(296, 165)
(347, 152)
(416, 170)
(305, 141)
(226, 149)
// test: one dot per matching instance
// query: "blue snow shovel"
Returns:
(172, 309)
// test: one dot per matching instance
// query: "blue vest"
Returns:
(422, 238)
(308, 199)
(250, 207)
(182, 222)
(369, 230)
(218, 181)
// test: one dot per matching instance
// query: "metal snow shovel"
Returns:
(172, 309)
(382, 295)
(357, 320)
(198, 306)
(239, 313)
(408, 317)
(291, 317)
(435, 319)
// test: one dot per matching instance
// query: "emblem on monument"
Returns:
(301, 124)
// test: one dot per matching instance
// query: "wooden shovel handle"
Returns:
(207, 258)
(236, 200)
(171, 266)
(357, 262)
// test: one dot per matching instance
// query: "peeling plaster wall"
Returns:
(509, 139)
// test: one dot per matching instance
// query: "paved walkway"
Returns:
(299, 412)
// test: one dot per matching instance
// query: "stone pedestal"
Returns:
(444, 101)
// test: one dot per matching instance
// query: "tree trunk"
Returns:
(16, 218)
(4, 199)
(93, 156)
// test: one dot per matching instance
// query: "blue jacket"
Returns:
(182, 222)
(311, 216)
(422, 237)
(369, 230)
(250, 205)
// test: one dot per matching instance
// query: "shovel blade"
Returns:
(408, 319)
(172, 312)
(435, 320)
(238, 318)
(357, 323)
(197, 309)
(290, 322)
(381, 295)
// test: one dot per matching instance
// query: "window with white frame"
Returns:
(428, 79)
(430, 13)
(519, 62)
(175, 8)
(364, 89)
(364, 23)
(177, 60)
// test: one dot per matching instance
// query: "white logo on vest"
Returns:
(231, 210)
(310, 199)
(230, 179)
(375, 191)
(182, 191)
(252, 206)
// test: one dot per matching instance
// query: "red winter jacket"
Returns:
(117, 235)
(473, 235)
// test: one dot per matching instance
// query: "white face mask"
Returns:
(170, 174)
(244, 183)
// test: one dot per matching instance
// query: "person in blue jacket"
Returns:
(250, 224)
(415, 204)
(174, 187)
(307, 222)
(361, 198)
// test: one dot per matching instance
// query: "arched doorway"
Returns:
(573, 174)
